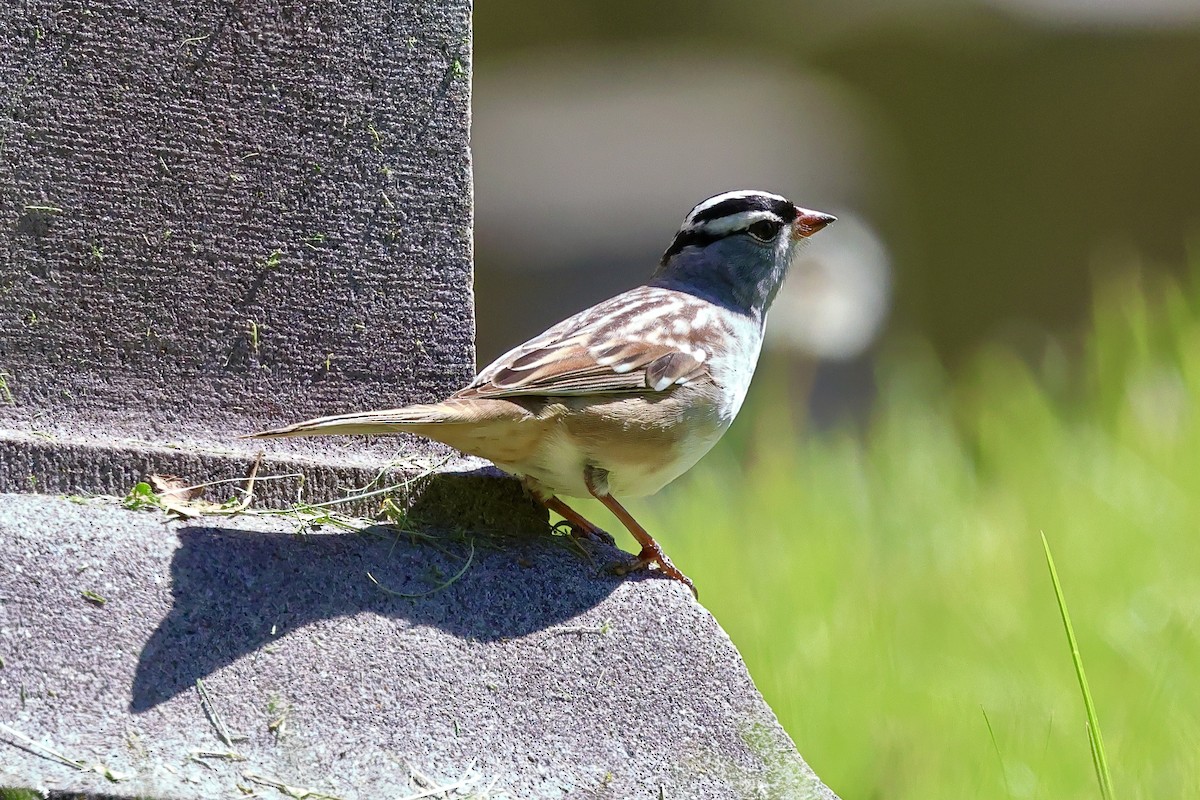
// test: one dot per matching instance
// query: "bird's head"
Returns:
(735, 248)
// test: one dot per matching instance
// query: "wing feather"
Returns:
(625, 344)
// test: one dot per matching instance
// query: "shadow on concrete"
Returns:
(236, 590)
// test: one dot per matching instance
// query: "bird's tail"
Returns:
(391, 420)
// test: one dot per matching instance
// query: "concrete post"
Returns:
(222, 216)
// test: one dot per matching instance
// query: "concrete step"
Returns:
(210, 657)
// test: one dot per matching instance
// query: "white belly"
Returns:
(639, 456)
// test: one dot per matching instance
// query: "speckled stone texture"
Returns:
(219, 216)
(535, 673)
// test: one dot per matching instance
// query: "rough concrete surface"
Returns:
(220, 216)
(536, 673)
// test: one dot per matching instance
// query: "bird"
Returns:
(622, 398)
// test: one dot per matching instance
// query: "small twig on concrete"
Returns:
(42, 751)
(391, 465)
(170, 495)
(207, 484)
(176, 498)
(50, 754)
(93, 598)
(199, 755)
(227, 755)
(603, 629)
(430, 789)
(4, 388)
(210, 710)
(565, 530)
(330, 503)
(249, 490)
(449, 582)
(354, 498)
(297, 792)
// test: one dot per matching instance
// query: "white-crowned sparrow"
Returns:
(624, 397)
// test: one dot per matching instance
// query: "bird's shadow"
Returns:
(235, 590)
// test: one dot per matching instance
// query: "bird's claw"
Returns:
(591, 533)
(653, 555)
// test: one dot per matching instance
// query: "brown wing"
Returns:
(622, 345)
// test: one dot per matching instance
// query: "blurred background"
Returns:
(987, 157)
(999, 337)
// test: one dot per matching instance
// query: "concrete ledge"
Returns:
(453, 491)
(535, 673)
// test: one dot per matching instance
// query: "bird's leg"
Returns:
(580, 527)
(652, 553)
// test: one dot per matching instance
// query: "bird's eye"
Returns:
(764, 230)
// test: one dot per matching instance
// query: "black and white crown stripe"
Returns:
(727, 213)
(737, 221)
(738, 205)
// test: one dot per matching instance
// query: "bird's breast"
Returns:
(732, 365)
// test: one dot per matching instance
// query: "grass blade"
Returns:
(1099, 760)
(996, 747)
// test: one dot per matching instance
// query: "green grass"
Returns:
(1095, 738)
(886, 585)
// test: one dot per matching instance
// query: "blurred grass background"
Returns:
(887, 586)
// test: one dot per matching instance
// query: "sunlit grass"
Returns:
(885, 586)
(1095, 736)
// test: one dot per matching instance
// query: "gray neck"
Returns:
(745, 287)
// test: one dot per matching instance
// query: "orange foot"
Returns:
(653, 554)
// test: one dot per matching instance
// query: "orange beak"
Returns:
(809, 222)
